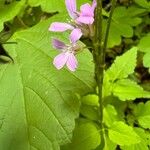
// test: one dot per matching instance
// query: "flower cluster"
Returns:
(80, 25)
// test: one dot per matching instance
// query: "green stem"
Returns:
(99, 59)
(108, 24)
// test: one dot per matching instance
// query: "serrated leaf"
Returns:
(140, 146)
(126, 89)
(142, 113)
(38, 105)
(123, 65)
(122, 134)
(86, 137)
(9, 11)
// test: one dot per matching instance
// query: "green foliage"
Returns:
(38, 108)
(116, 81)
(123, 65)
(90, 99)
(86, 137)
(140, 146)
(9, 11)
(89, 112)
(122, 24)
(144, 46)
(126, 89)
(110, 115)
(143, 3)
(122, 134)
(142, 114)
(52, 5)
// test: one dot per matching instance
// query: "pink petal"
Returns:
(58, 44)
(60, 27)
(85, 19)
(75, 35)
(72, 62)
(60, 60)
(71, 7)
(94, 4)
(86, 10)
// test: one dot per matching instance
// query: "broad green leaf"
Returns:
(122, 24)
(144, 46)
(90, 99)
(122, 134)
(53, 5)
(142, 113)
(9, 11)
(140, 146)
(86, 137)
(123, 65)
(38, 102)
(126, 89)
(110, 115)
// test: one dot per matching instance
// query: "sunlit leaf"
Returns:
(122, 134)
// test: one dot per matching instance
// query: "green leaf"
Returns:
(144, 46)
(90, 99)
(110, 115)
(107, 85)
(38, 102)
(109, 145)
(126, 89)
(140, 146)
(122, 134)
(86, 137)
(123, 65)
(142, 113)
(146, 60)
(89, 112)
(52, 5)
(122, 24)
(143, 3)
(9, 11)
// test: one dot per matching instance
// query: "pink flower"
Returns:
(80, 19)
(67, 55)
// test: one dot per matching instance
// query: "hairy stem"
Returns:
(99, 59)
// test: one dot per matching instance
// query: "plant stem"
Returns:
(108, 24)
(99, 59)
